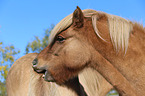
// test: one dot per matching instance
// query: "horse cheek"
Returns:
(76, 56)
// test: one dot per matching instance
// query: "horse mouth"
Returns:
(48, 77)
(46, 74)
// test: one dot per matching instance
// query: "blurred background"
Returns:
(25, 24)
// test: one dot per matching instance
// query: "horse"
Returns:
(106, 43)
(22, 80)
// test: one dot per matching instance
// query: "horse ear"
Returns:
(78, 18)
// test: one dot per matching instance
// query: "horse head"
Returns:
(68, 53)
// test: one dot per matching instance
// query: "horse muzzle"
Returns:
(36, 68)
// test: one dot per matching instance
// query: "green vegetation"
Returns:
(7, 58)
(38, 43)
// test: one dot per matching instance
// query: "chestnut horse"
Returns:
(22, 80)
(109, 44)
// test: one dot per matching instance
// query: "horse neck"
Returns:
(105, 49)
(75, 85)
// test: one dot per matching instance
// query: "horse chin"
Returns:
(47, 77)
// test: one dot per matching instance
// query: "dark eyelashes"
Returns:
(60, 39)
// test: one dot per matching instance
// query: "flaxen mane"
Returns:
(119, 28)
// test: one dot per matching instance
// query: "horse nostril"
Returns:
(35, 61)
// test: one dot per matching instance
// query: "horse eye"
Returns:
(60, 39)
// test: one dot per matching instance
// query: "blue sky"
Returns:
(21, 20)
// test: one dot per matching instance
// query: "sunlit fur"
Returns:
(23, 81)
(119, 28)
(90, 38)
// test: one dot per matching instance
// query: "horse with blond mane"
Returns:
(23, 81)
(109, 44)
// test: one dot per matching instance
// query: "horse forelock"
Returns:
(66, 22)
(119, 28)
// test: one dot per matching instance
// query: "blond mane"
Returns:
(119, 28)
